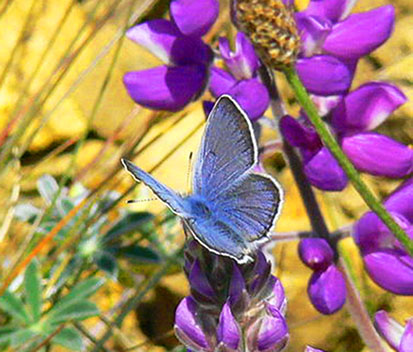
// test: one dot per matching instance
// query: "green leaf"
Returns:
(79, 292)
(33, 290)
(78, 310)
(139, 253)
(14, 306)
(69, 338)
(107, 262)
(6, 332)
(22, 336)
(47, 187)
(131, 222)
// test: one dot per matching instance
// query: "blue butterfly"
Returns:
(232, 209)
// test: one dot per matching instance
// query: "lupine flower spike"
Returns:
(231, 305)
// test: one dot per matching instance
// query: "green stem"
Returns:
(351, 172)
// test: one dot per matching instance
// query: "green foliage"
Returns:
(30, 323)
(98, 245)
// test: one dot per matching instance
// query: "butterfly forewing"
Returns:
(175, 202)
(227, 149)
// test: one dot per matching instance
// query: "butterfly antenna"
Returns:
(140, 200)
(188, 174)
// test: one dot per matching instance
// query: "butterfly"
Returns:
(232, 208)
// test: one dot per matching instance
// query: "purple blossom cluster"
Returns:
(231, 305)
(178, 43)
(385, 259)
(332, 43)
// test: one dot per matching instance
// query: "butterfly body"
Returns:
(231, 208)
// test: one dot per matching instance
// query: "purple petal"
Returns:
(243, 62)
(327, 290)
(199, 282)
(367, 107)
(207, 106)
(194, 17)
(316, 253)
(388, 328)
(406, 344)
(220, 81)
(330, 9)
(370, 233)
(261, 270)
(269, 333)
(378, 155)
(165, 88)
(277, 298)
(312, 349)
(392, 269)
(314, 31)
(163, 39)
(187, 327)
(324, 172)
(324, 75)
(228, 331)
(252, 96)
(299, 135)
(361, 33)
(237, 285)
(401, 200)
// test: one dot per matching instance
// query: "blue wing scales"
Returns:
(175, 202)
(227, 150)
(250, 206)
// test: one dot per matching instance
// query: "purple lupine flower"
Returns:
(386, 261)
(326, 287)
(399, 337)
(186, 57)
(332, 42)
(327, 290)
(228, 300)
(240, 81)
(353, 117)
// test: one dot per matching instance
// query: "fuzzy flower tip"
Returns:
(272, 29)
(186, 57)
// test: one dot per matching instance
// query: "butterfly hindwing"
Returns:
(250, 206)
(220, 239)
(175, 202)
(227, 150)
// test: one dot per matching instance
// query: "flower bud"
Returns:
(271, 27)
(316, 253)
